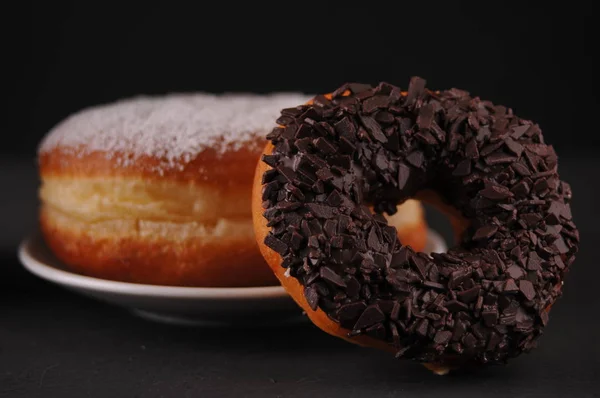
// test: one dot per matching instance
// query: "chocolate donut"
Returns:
(484, 301)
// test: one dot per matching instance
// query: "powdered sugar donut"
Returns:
(157, 190)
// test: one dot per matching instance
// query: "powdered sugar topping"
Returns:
(173, 128)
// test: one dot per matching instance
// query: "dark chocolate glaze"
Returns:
(484, 301)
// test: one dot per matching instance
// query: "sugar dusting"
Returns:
(173, 128)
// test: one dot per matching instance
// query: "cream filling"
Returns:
(112, 198)
(223, 229)
(409, 213)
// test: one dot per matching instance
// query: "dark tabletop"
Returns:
(54, 343)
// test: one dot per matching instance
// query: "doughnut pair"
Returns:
(177, 190)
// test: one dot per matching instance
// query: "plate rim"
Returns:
(50, 273)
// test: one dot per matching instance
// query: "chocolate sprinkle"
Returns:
(276, 244)
(485, 300)
(370, 316)
(312, 297)
(485, 232)
(330, 275)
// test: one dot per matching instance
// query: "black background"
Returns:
(535, 57)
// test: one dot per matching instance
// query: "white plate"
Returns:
(172, 304)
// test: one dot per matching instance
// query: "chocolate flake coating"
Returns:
(484, 301)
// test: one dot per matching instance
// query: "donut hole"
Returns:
(439, 222)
